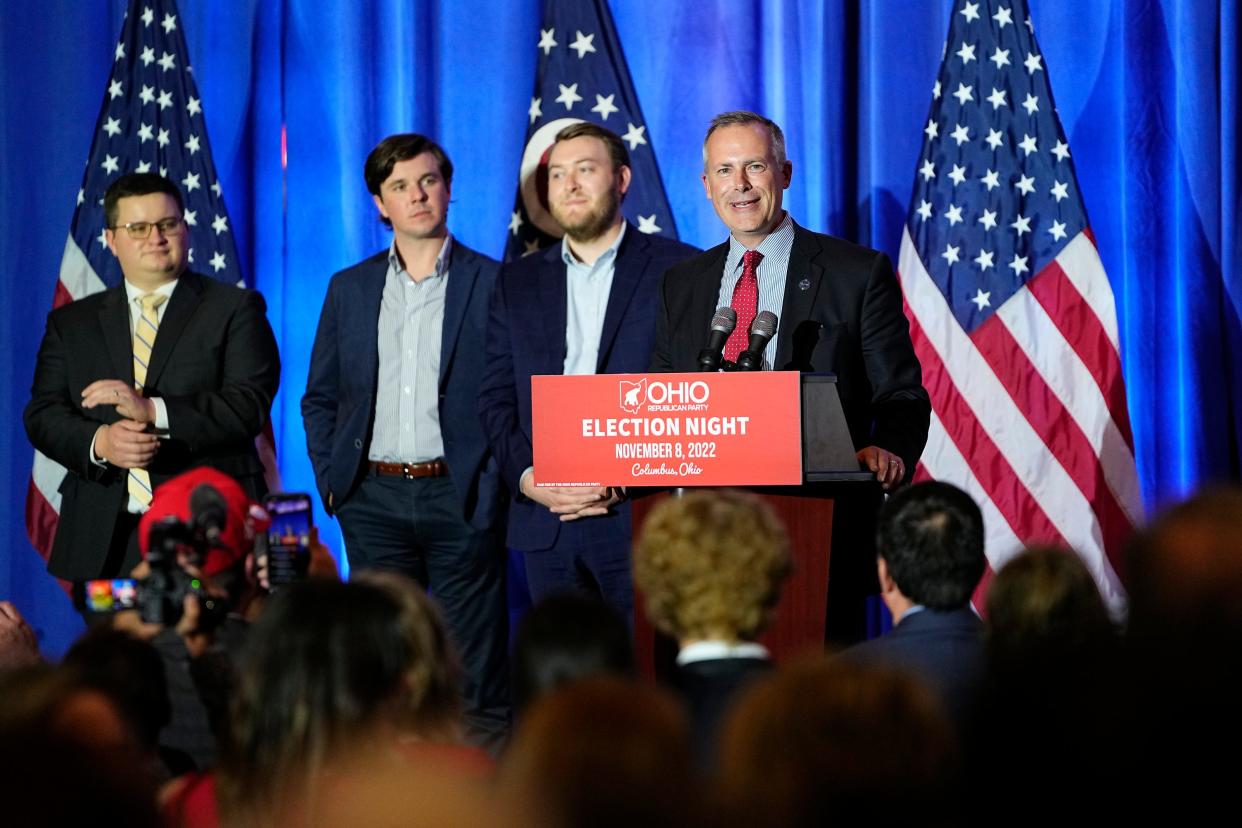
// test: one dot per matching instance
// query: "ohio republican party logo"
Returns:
(633, 395)
(658, 395)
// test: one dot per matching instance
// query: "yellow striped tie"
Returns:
(139, 483)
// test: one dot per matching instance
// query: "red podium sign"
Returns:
(709, 429)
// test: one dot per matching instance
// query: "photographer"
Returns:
(192, 585)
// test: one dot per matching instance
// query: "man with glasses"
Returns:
(136, 384)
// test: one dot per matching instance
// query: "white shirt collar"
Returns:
(914, 610)
(133, 292)
(568, 257)
(711, 650)
(783, 231)
(442, 258)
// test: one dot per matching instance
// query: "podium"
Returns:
(794, 433)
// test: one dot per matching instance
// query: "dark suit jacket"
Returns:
(338, 408)
(709, 688)
(842, 313)
(215, 365)
(526, 337)
(944, 648)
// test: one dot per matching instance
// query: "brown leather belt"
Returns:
(430, 468)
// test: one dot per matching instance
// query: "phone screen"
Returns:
(288, 537)
(110, 595)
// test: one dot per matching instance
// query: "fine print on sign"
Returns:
(709, 429)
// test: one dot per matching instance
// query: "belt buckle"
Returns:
(407, 471)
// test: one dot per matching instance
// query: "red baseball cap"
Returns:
(243, 517)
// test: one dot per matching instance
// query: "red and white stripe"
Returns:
(1029, 411)
(77, 279)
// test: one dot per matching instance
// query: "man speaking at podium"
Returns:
(838, 307)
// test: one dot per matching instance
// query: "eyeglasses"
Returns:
(142, 229)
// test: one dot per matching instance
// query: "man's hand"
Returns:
(129, 403)
(611, 497)
(130, 620)
(18, 645)
(571, 502)
(321, 564)
(197, 640)
(886, 466)
(126, 444)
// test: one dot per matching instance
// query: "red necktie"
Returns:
(746, 303)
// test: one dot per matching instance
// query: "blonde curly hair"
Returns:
(710, 565)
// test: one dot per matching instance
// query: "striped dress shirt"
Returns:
(407, 394)
(770, 273)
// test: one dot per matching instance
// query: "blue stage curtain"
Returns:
(1148, 93)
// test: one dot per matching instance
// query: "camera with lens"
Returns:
(161, 595)
(174, 547)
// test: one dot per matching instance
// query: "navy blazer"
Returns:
(841, 313)
(945, 648)
(338, 408)
(526, 337)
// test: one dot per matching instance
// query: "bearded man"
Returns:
(585, 306)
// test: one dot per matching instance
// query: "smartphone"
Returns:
(288, 537)
(110, 595)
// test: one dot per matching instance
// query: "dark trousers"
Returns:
(415, 527)
(591, 555)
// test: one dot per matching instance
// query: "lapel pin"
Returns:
(805, 284)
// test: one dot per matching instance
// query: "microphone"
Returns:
(208, 512)
(723, 324)
(761, 332)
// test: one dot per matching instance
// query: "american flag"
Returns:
(1011, 311)
(582, 76)
(151, 120)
